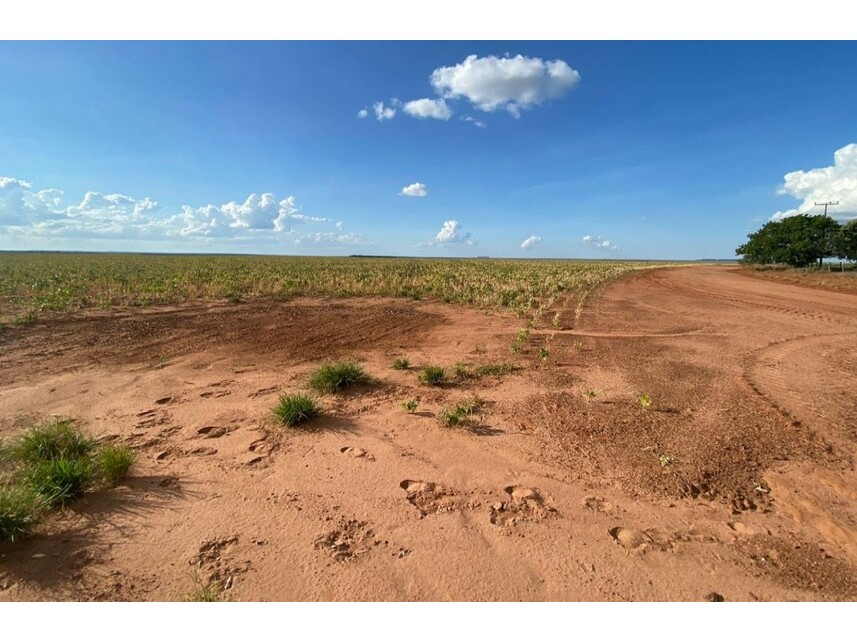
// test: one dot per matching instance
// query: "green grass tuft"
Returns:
(60, 480)
(494, 370)
(336, 376)
(57, 439)
(401, 363)
(114, 462)
(20, 510)
(294, 409)
(433, 375)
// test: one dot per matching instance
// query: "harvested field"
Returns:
(681, 434)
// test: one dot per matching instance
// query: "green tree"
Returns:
(798, 241)
(846, 241)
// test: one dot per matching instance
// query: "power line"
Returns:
(825, 204)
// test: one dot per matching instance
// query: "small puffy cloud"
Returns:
(837, 182)
(451, 234)
(530, 241)
(415, 189)
(600, 242)
(474, 121)
(332, 240)
(340, 225)
(428, 108)
(382, 112)
(363, 113)
(510, 83)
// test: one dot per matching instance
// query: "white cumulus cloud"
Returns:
(837, 182)
(363, 113)
(415, 189)
(511, 83)
(29, 213)
(382, 112)
(530, 241)
(428, 108)
(600, 242)
(452, 234)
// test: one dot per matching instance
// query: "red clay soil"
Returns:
(833, 280)
(737, 481)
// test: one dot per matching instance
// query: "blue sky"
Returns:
(589, 149)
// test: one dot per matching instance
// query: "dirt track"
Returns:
(738, 481)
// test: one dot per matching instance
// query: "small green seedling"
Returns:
(645, 400)
(591, 394)
(410, 405)
(544, 354)
(523, 335)
(665, 460)
(515, 348)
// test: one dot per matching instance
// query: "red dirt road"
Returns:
(737, 482)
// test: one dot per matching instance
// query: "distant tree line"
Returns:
(800, 240)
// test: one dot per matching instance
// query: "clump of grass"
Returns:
(645, 400)
(60, 480)
(336, 376)
(461, 371)
(494, 370)
(20, 510)
(410, 405)
(49, 465)
(544, 354)
(515, 348)
(523, 336)
(296, 408)
(462, 413)
(57, 439)
(114, 462)
(433, 375)
(591, 394)
(401, 363)
(203, 592)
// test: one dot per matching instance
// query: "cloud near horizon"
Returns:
(837, 182)
(599, 242)
(26, 212)
(530, 241)
(451, 234)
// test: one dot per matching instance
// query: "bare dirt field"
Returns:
(736, 483)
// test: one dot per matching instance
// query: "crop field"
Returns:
(32, 284)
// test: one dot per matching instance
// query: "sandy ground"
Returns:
(737, 483)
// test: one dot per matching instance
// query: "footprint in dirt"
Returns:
(214, 431)
(640, 541)
(525, 504)
(357, 452)
(430, 497)
(348, 541)
(595, 503)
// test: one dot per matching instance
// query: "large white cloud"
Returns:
(415, 189)
(837, 182)
(600, 242)
(491, 83)
(428, 108)
(452, 234)
(530, 241)
(27, 213)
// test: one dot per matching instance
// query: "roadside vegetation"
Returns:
(801, 240)
(50, 465)
(338, 376)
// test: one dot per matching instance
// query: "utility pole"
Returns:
(825, 204)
